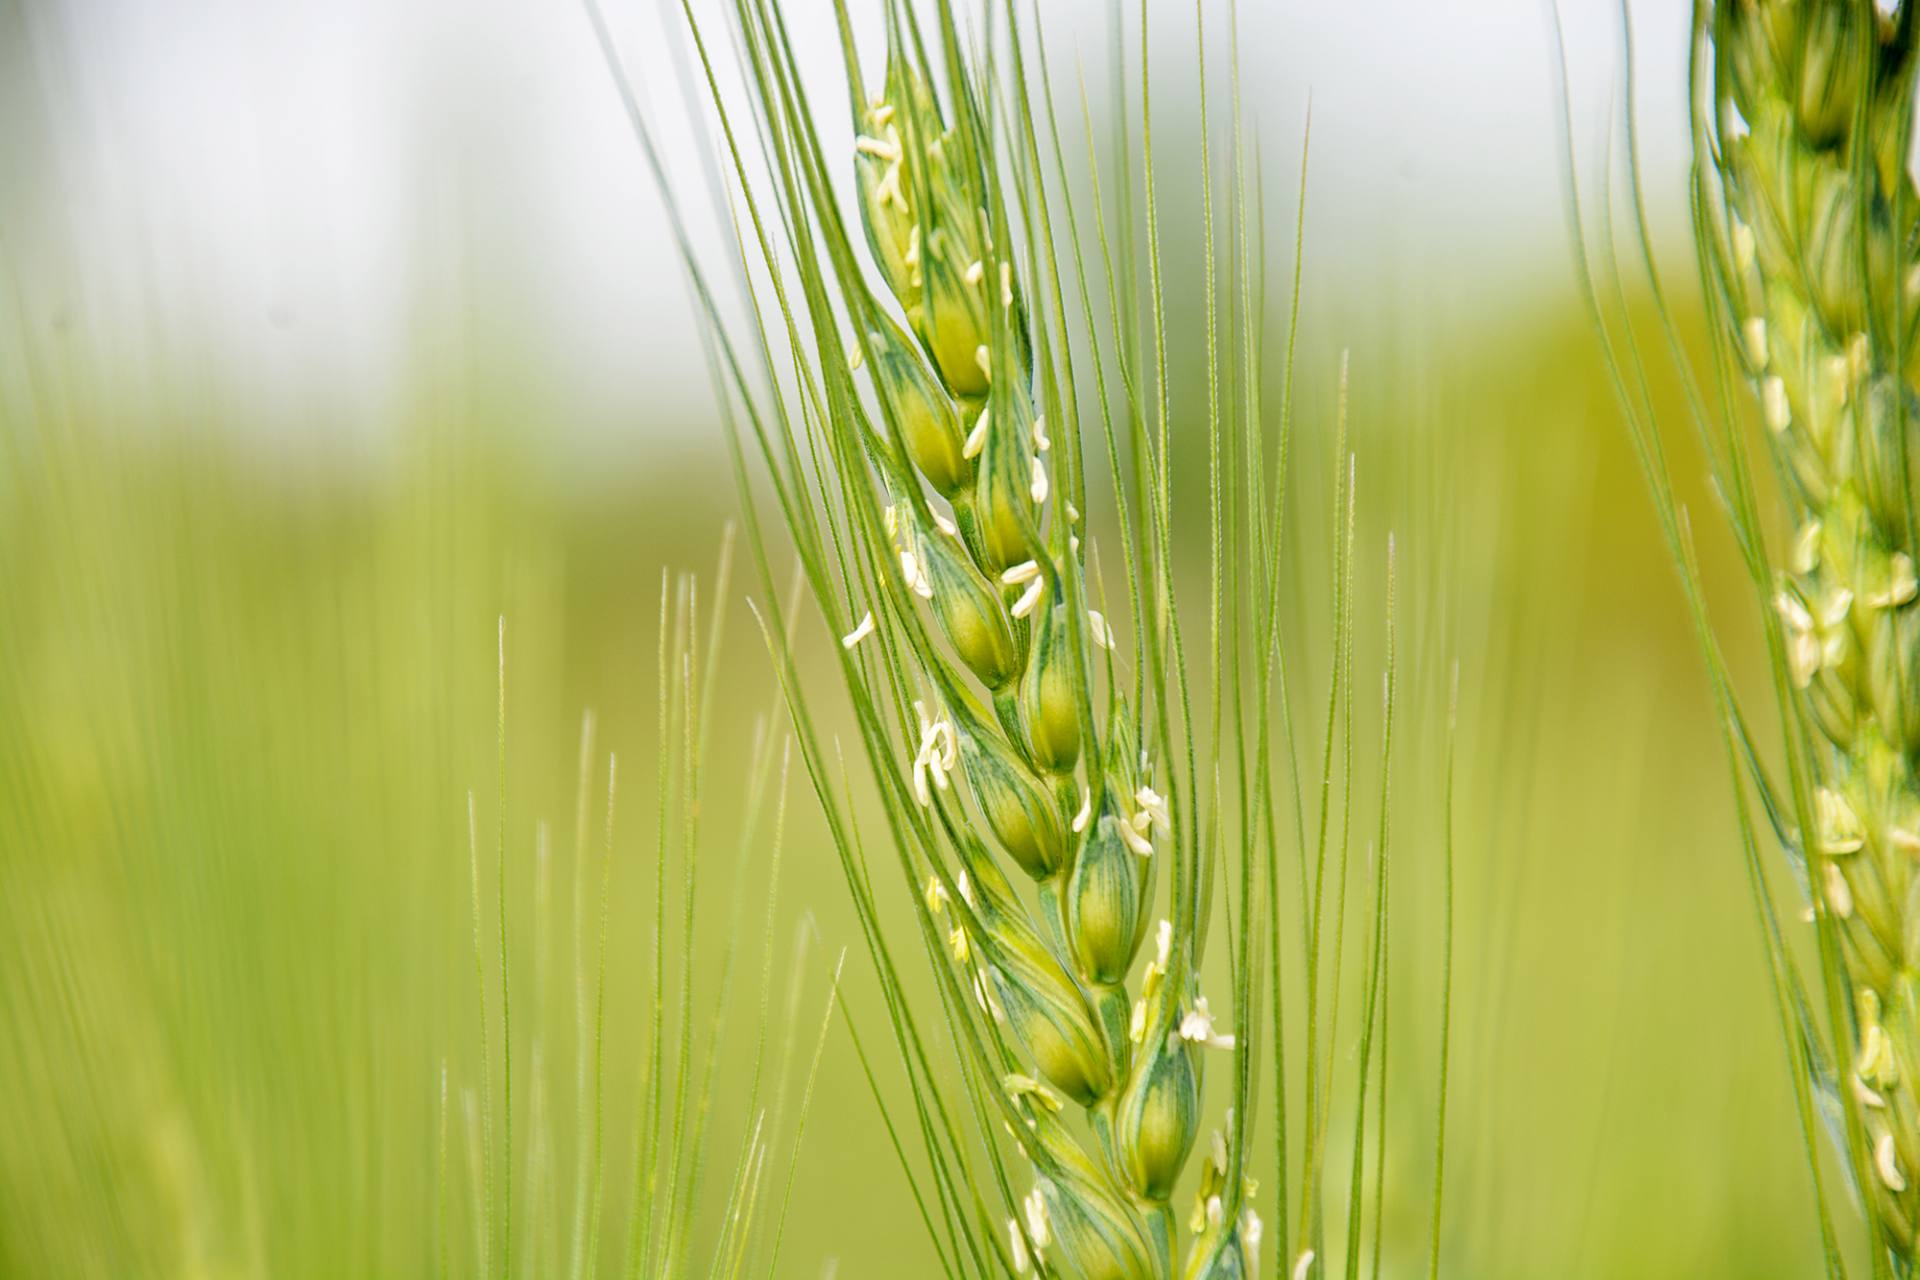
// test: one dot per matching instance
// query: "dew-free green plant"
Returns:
(1808, 236)
(917, 390)
(525, 1213)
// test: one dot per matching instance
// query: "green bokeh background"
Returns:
(246, 689)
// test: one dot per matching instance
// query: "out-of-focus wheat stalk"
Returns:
(564, 1223)
(1812, 112)
(1808, 235)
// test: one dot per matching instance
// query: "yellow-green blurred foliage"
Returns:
(245, 691)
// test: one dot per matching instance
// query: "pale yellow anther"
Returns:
(936, 758)
(1030, 598)
(976, 272)
(1153, 806)
(887, 192)
(1806, 548)
(859, 633)
(1876, 1061)
(1840, 827)
(915, 575)
(1900, 586)
(1742, 246)
(1773, 400)
(984, 997)
(1839, 892)
(1886, 1163)
(1085, 814)
(1038, 488)
(1197, 1027)
(1835, 380)
(1102, 631)
(1805, 647)
(1133, 839)
(1025, 571)
(1755, 333)
(976, 438)
(1860, 353)
(1023, 1086)
(1037, 1228)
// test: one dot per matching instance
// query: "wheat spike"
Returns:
(1815, 249)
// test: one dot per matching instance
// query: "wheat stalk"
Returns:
(1804, 219)
(1070, 799)
(912, 402)
(1812, 105)
(665, 1231)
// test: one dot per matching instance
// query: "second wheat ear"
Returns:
(1816, 250)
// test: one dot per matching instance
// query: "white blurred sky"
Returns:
(301, 188)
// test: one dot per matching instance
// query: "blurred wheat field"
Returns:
(249, 769)
(243, 701)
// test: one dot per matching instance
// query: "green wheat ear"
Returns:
(1808, 242)
(1816, 254)
(912, 392)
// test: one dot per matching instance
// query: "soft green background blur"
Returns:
(247, 682)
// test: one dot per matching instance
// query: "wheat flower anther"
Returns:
(1030, 598)
(1779, 411)
(1886, 1162)
(1036, 1210)
(915, 574)
(1197, 1027)
(1806, 548)
(1840, 829)
(1839, 894)
(976, 438)
(1102, 629)
(860, 632)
